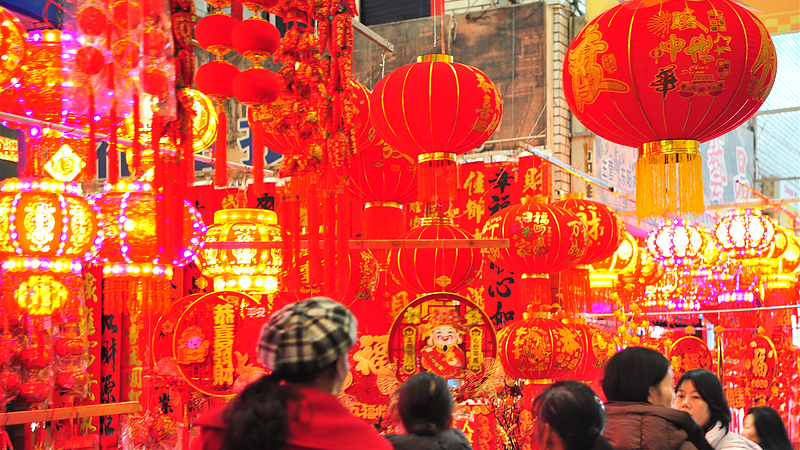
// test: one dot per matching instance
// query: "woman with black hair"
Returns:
(700, 393)
(305, 345)
(570, 417)
(764, 426)
(638, 387)
(425, 407)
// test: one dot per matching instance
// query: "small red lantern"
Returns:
(436, 269)
(256, 86)
(92, 21)
(664, 76)
(215, 79)
(127, 14)
(214, 33)
(89, 60)
(256, 39)
(605, 227)
(361, 110)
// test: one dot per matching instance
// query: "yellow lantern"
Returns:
(41, 295)
(243, 269)
(605, 273)
(745, 233)
(676, 243)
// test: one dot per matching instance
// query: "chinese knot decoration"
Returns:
(664, 76)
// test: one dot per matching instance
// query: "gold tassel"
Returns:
(669, 177)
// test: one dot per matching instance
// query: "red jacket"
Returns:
(330, 426)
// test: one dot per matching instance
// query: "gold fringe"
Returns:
(669, 184)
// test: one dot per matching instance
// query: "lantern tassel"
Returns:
(437, 179)
(312, 217)
(258, 164)
(221, 150)
(343, 236)
(113, 154)
(329, 237)
(574, 290)
(382, 220)
(535, 291)
(669, 179)
(91, 153)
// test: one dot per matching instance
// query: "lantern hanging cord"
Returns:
(710, 311)
(383, 64)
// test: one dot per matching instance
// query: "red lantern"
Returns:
(436, 269)
(380, 173)
(435, 106)
(259, 5)
(89, 60)
(256, 86)
(92, 21)
(155, 81)
(13, 52)
(214, 33)
(600, 347)
(540, 349)
(605, 227)
(215, 79)
(363, 269)
(361, 112)
(126, 54)
(154, 41)
(256, 39)
(260, 120)
(127, 14)
(687, 353)
(662, 76)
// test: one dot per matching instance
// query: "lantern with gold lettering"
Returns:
(540, 348)
(605, 228)
(363, 272)
(760, 364)
(687, 353)
(605, 273)
(709, 67)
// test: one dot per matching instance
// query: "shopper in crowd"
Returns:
(570, 417)
(700, 394)
(425, 410)
(764, 426)
(296, 407)
(638, 387)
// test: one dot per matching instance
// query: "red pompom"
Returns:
(256, 86)
(34, 392)
(126, 54)
(155, 41)
(215, 79)
(89, 60)
(92, 21)
(127, 15)
(155, 81)
(214, 33)
(256, 39)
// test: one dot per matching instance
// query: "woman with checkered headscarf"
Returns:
(305, 346)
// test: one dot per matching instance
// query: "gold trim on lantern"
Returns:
(541, 276)
(383, 204)
(436, 156)
(425, 221)
(669, 179)
(435, 57)
(542, 381)
(573, 195)
(670, 147)
(539, 199)
(262, 216)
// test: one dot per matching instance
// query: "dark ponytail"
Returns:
(575, 413)
(425, 404)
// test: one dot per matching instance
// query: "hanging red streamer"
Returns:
(258, 164)
(221, 150)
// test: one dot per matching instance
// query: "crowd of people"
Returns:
(305, 347)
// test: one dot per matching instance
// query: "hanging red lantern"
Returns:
(378, 172)
(214, 33)
(664, 77)
(154, 41)
(259, 5)
(215, 79)
(126, 54)
(605, 228)
(155, 81)
(127, 14)
(540, 349)
(89, 60)
(361, 112)
(92, 21)
(260, 122)
(256, 39)
(435, 106)
(436, 269)
(600, 347)
(363, 270)
(256, 86)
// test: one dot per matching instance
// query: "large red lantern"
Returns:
(663, 76)
(540, 349)
(605, 228)
(256, 86)
(436, 269)
(256, 39)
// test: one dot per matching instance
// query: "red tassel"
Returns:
(91, 153)
(312, 218)
(293, 207)
(283, 222)
(113, 154)
(159, 179)
(343, 238)
(188, 146)
(258, 164)
(382, 221)
(329, 237)
(136, 161)
(221, 151)
(535, 291)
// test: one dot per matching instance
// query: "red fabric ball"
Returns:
(89, 60)
(256, 39)
(155, 81)
(436, 269)
(651, 71)
(34, 392)
(256, 86)
(126, 54)
(92, 21)
(435, 106)
(127, 15)
(155, 41)
(215, 79)
(214, 33)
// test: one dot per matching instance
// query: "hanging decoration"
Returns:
(710, 68)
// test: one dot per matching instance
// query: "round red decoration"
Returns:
(127, 14)
(687, 353)
(539, 348)
(260, 120)
(435, 105)
(214, 33)
(378, 172)
(92, 21)
(89, 60)
(543, 238)
(155, 81)
(361, 113)
(256, 86)
(760, 364)
(154, 41)
(443, 333)
(126, 54)
(215, 79)
(436, 269)
(600, 347)
(605, 227)
(363, 270)
(165, 328)
(651, 71)
(215, 340)
(256, 39)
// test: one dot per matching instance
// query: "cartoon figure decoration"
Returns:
(192, 346)
(442, 354)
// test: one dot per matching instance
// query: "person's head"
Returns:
(304, 344)
(764, 426)
(638, 374)
(570, 417)
(699, 392)
(425, 404)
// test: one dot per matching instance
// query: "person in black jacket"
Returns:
(570, 417)
(425, 407)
